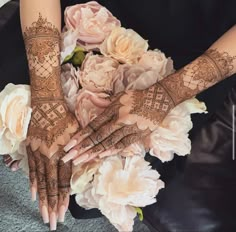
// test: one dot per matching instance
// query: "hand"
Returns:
(129, 118)
(51, 127)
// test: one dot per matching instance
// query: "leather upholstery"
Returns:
(199, 194)
(202, 198)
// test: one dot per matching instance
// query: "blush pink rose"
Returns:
(70, 85)
(89, 105)
(92, 22)
(97, 73)
(135, 76)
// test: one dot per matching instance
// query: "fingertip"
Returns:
(70, 145)
(53, 221)
(61, 216)
(45, 216)
(33, 193)
(81, 159)
(71, 155)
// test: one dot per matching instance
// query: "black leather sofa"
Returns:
(200, 193)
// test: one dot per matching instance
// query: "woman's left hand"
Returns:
(129, 118)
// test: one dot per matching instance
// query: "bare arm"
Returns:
(51, 124)
(216, 64)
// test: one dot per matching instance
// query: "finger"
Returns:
(109, 152)
(132, 138)
(64, 176)
(52, 190)
(91, 154)
(15, 165)
(93, 140)
(110, 113)
(32, 174)
(107, 144)
(7, 160)
(42, 186)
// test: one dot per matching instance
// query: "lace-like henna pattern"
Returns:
(49, 116)
(51, 123)
(210, 68)
(153, 103)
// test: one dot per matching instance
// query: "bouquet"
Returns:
(100, 59)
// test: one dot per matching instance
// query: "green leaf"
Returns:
(78, 58)
(69, 57)
(140, 213)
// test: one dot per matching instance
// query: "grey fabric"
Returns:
(19, 214)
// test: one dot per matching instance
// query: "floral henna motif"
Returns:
(210, 68)
(51, 125)
(50, 115)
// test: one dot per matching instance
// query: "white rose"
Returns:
(15, 114)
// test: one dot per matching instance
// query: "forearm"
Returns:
(216, 64)
(41, 26)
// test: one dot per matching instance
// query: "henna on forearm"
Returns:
(50, 113)
(210, 68)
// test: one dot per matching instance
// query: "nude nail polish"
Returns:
(81, 159)
(61, 217)
(71, 144)
(33, 193)
(53, 221)
(72, 154)
(45, 214)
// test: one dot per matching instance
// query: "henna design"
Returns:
(51, 124)
(50, 117)
(210, 68)
(153, 103)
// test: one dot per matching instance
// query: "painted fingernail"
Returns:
(72, 154)
(53, 221)
(71, 144)
(61, 217)
(33, 193)
(81, 159)
(45, 214)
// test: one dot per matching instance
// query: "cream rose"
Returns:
(89, 105)
(82, 176)
(15, 114)
(124, 45)
(91, 22)
(156, 60)
(97, 73)
(171, 137)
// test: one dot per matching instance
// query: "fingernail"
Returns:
(72, 154)
(71, 144)
(33, 193)
(81, 159)
(53, 221)
(45, 214)
(61, 217)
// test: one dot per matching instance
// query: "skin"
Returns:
(51, 125)
(125, 121)
(135, 114)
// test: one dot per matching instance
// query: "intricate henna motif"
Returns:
(210, 68)
(51, 124)
(153, 103)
